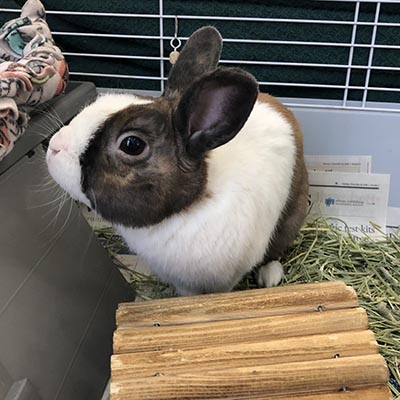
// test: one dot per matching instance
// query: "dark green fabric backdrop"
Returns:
(229, 29)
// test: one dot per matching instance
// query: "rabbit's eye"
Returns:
(132, 145)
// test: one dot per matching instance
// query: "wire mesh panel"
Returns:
(342, 54)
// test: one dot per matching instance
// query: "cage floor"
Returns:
(307, 342)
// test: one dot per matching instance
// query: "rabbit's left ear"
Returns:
(214, 109)
(200, 55)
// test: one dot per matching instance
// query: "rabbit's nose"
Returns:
(60, 141)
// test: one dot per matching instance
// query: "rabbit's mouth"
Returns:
(64, 168)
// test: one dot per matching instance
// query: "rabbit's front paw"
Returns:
(270, 274)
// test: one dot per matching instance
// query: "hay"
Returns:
(320, 253)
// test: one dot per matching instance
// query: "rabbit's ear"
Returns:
(214, 109)
(200, 55)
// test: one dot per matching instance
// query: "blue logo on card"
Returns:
(329, 201)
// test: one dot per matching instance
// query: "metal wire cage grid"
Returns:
(364, 87)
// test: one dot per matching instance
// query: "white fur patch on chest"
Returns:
(217, 240)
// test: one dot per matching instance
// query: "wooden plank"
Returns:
(261, 329)
(250, 303)
(379, 393)
(244, 382)
(299, 349)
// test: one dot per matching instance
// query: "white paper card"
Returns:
(361, 164)
(393, 221)
(357, 199)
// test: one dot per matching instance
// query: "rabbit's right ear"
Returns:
(214, 109)
(200, 55)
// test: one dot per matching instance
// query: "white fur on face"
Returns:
(64, 166)
(212, 244)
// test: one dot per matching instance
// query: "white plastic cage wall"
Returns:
(365, 86)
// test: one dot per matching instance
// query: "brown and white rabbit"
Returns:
(204, 183)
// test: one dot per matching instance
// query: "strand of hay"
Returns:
(320, 253)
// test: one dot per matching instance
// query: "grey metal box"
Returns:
(58, 287)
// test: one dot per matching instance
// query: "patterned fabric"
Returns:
(32, 71)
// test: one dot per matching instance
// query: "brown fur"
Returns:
(295, 209)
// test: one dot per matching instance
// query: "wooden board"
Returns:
(300, 342)
(381, 393)
(280, 300)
